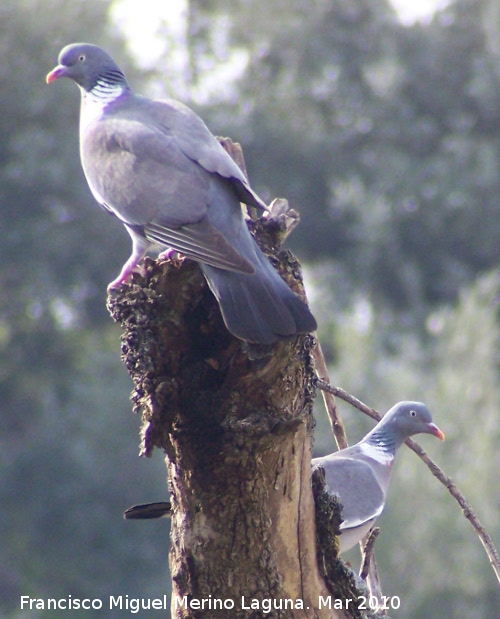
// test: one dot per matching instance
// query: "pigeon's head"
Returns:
(408, 418)
(88, 65)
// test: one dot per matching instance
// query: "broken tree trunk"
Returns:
(235, 421)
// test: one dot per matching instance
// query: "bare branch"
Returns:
(328, 398)
(368, 552)
(467, 510)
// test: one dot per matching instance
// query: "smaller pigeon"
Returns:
(159, 170)
(360, 474)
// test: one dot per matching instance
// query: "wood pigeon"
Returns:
(156, 166)
(360, 474)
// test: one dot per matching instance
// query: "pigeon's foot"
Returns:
(128, 269)
(172, 255)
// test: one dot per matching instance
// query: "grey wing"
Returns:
(354, 481)
(198, 143)
(144, 178)
(200, 241)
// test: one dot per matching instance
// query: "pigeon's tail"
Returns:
(260, 307)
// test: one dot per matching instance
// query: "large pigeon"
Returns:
(358, 475)
(156, 166)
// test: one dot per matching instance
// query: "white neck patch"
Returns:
(94, 102)
(377, 453)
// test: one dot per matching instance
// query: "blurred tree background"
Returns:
(386, 138)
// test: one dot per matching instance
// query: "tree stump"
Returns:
(235, 422)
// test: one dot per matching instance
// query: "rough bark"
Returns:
(235, 421)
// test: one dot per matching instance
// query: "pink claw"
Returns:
(175, 257)
(139, 247)
(125, 273)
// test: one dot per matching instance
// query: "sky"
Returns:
(411, 11)
(146, 23)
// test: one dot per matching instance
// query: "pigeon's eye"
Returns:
(413, 413)
(81, 57)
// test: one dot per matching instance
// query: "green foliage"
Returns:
(386, 139)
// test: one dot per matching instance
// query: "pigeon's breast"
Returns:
(140, 173)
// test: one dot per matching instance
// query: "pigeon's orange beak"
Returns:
(435, 431)
(55, 74)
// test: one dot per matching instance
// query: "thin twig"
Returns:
(369, 568)
(350, 399)
(467, 510)
(329, 399)
(367, 553)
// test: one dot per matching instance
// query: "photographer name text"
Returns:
(266, 605)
